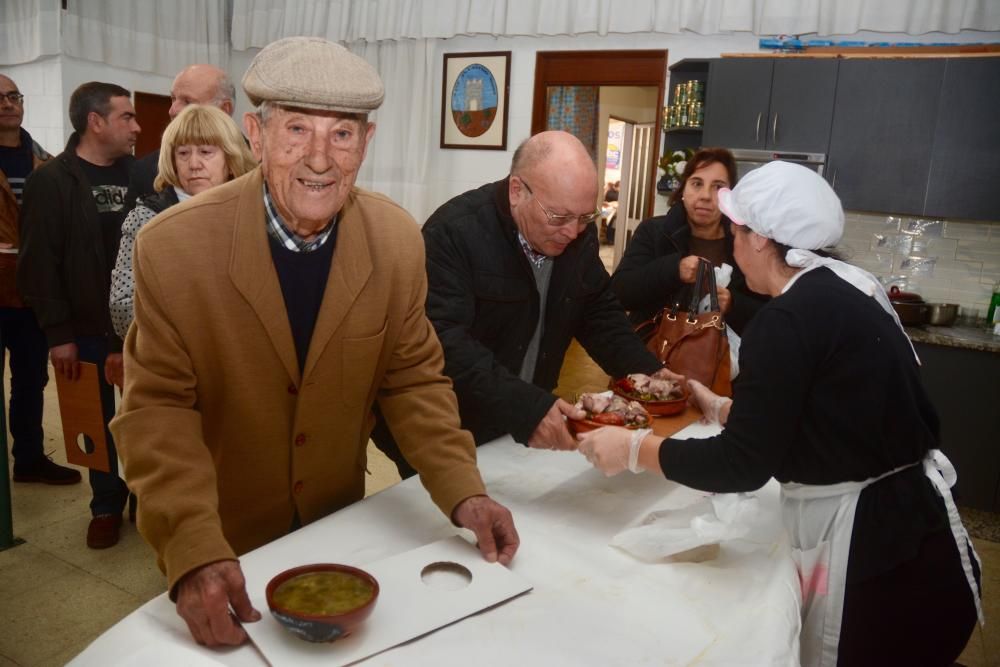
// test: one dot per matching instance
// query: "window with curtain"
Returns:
(573, 109)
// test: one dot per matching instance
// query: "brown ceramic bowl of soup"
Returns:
(322, 602)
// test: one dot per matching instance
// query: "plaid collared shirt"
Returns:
(536, 258)
(277, 230)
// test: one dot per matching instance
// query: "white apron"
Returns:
(820, 520)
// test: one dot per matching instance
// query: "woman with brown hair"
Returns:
(661, 261)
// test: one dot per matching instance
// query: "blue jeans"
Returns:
(110, 492)
(29, 359)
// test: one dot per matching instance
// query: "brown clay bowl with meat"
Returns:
(576, 426)
(655, 408)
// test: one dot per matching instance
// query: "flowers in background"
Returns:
(673, 163)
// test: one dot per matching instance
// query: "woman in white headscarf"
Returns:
(829, 402)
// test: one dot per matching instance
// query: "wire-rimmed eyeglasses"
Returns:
(557, 220)
(14, 97)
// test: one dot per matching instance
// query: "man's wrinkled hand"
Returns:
(114, 369)
(66, 360)
(493, 525)
(551, 432)
(204, 598)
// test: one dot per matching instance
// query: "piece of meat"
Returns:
(663, 389)
(595, 403)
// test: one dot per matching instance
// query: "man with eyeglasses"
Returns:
(513, 276)
(19, 331)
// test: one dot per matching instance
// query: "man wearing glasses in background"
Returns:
(513, 276)
(19, 330)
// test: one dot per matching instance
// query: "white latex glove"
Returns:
(710, 403)
(723, 274)
(612, 449)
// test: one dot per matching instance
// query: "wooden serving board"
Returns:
(80, 409)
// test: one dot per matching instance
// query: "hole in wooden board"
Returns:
(85, 444)
(446, 576)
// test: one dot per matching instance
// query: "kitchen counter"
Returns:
(963, 336)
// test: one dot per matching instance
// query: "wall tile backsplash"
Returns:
(942, 260)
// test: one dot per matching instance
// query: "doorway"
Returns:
(603, 68)
(152, 112)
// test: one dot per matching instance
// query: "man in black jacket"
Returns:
(71, 218)
(513, 276)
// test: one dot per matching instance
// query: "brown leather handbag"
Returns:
(691, 343)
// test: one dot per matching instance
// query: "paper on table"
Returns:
(712, 520)
(407, 607)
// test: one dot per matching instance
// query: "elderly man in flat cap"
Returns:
(271, 314)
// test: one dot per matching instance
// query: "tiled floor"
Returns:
(56, 595)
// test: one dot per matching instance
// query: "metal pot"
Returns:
(911, 314)
(896, 294)
(942, 314)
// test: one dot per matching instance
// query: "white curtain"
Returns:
(148, 35)
(257, 22)
(29, 30)
(405, 123)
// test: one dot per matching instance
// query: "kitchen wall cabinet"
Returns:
(681, 138)
(780, 104)
(964, 180)
(883, 132)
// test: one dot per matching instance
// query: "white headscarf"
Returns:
(794, 206)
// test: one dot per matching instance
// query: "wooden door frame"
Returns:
(601, 68)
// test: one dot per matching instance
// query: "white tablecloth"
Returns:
(592, 604)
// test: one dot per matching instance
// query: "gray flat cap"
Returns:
(313, 73)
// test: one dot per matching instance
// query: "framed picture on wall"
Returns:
(474, 97)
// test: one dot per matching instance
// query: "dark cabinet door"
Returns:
(736, 102)
(801, 109)
(883, 130)
(965, 160)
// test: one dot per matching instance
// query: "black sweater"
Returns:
(829, 391)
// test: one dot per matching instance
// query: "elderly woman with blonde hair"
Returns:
(202, 147)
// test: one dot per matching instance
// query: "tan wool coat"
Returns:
(221, 437)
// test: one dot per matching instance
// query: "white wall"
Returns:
(48, 83)
(76, 72)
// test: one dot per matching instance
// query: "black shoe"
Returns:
(47, 472)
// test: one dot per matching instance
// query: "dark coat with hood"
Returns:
(484, 304)
(648, 277)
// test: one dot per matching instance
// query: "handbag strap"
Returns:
(696, 292)
(709, 270)
(704, 281)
